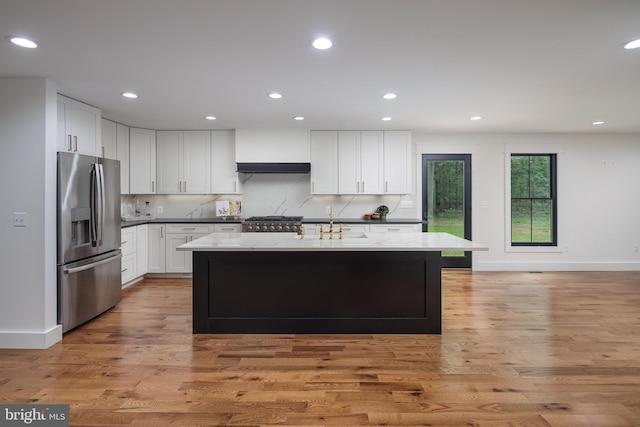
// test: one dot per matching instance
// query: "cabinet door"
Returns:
(177, 261)
(64, 138)
(109, 145)
(324, 162)
(156, 248)
(122, 154)
(168, 162)
(398, 162)
(142, 245)
(128, 240)
(142, 161)
(371, 166)
(86, 128)
(196, 162)
(224, 178)
(349, 162)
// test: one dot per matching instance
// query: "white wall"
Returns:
(598, 205)
(28, 310)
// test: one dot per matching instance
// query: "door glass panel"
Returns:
(445, 199)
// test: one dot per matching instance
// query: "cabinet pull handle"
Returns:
(162, 231)
(386, 186)
(185, 186)
(363, 186)
(153, 186)
(188, 228)
(122, 271)
(122, 243)
(75, 141)
(235, 186)
(70, 146)
(102, 151)
(313, 186)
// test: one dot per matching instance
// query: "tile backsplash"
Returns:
(274, 194)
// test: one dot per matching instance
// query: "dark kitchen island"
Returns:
(280, 283)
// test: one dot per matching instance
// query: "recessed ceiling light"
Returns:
(22, 42)
(633, 44)
(386, 119)
(275, 95)
(389, 96)
(322, 43)
(130, 95)
(210, 117)
(298, 118)
(475, 118)
(598, 123)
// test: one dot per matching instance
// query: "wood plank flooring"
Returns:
(517, 349)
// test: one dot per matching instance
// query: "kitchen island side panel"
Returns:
(316, 292)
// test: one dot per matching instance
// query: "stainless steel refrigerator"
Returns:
(89, 258)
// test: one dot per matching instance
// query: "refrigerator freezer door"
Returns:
(88, 288)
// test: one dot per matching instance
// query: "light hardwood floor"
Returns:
(547, 349)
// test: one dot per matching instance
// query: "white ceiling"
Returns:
(523, 65)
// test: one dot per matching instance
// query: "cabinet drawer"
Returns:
(227, 228)
(128, 240)
(395, 228)
(189, 228)
(128, 271)
(350, 228)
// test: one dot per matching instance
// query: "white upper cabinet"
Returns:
(360, 162)
(79, 127)
(324, 162)
(122, 154)
(183, 162)
(224, 178)
(398, 163)
(109, 145)
(142, 158)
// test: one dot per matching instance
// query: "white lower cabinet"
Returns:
(133, 245)
(128, 249)
(141, 249)
(179, 234)
(156, 233)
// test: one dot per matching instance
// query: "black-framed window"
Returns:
(534, 200)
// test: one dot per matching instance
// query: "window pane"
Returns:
(521, 221)
(540, 176)
(541, 221)
(519, 176)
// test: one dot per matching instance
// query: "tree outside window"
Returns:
(533, 200)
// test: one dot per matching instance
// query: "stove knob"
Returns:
(279, 228)
(249, 227)
(272, 228)
(287, 228)
(265, 228)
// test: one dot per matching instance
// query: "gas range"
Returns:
(272, 224)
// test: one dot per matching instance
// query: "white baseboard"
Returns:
(556, 266)
(31, 340)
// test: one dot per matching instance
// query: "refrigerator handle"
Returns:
(93, 200)
(102, 203)
(90, 266)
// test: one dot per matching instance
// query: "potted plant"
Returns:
(383, 211)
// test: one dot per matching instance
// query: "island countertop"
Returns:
(413, 242)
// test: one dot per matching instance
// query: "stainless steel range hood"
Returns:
(298, 167)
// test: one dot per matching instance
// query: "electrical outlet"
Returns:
(160, 209)
(406, 204)
(327, 210)
(636, 248)
(19, 219)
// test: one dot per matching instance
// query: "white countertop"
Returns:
(351, 242)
